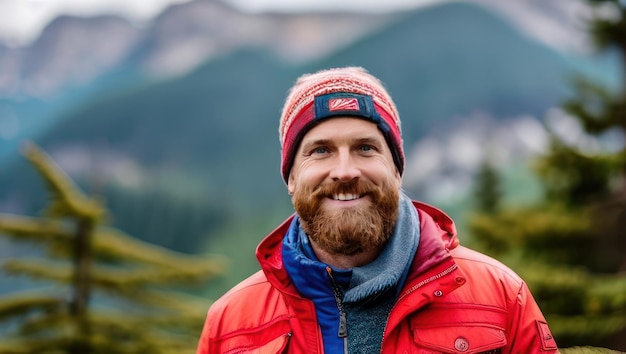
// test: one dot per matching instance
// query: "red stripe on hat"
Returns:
(300, 121)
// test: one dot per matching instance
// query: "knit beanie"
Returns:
(347, 91)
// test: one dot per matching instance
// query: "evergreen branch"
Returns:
(14, 347)
(157, 344)
(179, 309)
(67, 198)
(586, 325)
(47, 324)
(607, 294)
(40, 269)
(28, 301)
(111, 243)
(129, 281)
(585, 350)
(97, 344)
(118, 323)
(545, 224)
(595, 106)
(608, 32)
(112, 332)
(178, 301)
(34, 229)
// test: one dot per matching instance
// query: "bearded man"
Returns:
(360, 267)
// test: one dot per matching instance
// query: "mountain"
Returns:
(186, 35)
(452, 60)
(76, 58)
(71, 51)
(74, 51)
(213, 131)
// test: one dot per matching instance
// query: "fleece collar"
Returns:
(391, 267)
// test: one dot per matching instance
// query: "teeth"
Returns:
(342, 196)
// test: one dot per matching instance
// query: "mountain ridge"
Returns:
(214, 128)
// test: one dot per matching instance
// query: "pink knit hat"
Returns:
(349, 91)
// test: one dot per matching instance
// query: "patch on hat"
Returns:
(343, 104)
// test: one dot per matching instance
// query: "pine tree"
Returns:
(112, 293)
(488, 190)
(571, 246)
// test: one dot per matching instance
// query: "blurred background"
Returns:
(168, 110)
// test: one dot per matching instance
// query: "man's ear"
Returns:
(291, 184)
(398, 177)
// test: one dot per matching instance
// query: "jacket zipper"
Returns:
(415, 287)
(343, 321)
(426, 281)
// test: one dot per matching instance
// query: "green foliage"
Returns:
(539, 233)
(156, 213)
(597, 108)
(573, 177)
(66, 200)
(488, 192)
(554, 249)
(608, 32)
(140, 308)
(570, 246)
(586, 350)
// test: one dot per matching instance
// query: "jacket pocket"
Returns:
(269, 338)
(453, 328)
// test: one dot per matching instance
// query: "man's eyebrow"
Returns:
(368, 140)
(309, 144)
(305, 144)
(373, 140)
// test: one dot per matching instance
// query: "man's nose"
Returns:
(345, 167)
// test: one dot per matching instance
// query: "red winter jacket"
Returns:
(455, 300)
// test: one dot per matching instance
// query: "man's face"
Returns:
(345, 186)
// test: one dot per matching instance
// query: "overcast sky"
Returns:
(22, 20)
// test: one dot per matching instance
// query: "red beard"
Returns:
(348, 231)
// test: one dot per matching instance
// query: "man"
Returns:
(360, 268)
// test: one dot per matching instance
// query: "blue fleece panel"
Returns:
(310, 277)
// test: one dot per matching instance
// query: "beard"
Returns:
(350, 230)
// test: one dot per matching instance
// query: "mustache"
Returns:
(351, 187)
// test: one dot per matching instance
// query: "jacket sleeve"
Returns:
(528, 330)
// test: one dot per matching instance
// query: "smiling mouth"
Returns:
(346, 196)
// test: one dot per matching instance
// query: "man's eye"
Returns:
(367, 148)
(320, 150)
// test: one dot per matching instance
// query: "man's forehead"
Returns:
(344, 128)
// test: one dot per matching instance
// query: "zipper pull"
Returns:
(343, 325)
